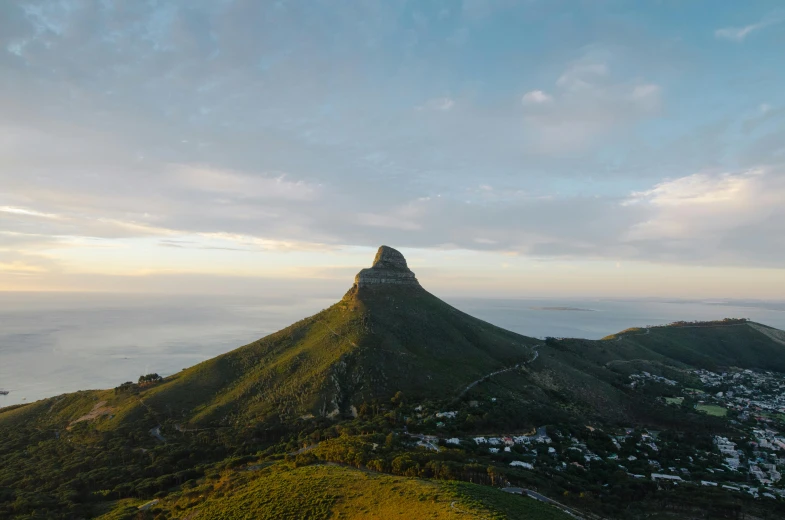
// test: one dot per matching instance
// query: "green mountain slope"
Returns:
(388, 334)
(328, 491)
(374, 342)
(285, 399)
(381, 338)
(712, 345)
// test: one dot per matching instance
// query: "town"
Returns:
(750, 460)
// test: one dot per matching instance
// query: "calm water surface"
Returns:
(56, 343)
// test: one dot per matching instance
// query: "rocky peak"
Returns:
(389, 258)
(389, 267)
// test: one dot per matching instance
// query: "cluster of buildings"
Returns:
(637, 379)
(750, 462)
(642, 454)
(759, 395)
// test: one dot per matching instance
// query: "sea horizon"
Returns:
(53, 343)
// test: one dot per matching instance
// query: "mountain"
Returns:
(383, 382)
(387, 334)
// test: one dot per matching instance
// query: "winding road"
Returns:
(501, 371)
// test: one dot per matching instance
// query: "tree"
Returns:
(150, 379)
(398, 398)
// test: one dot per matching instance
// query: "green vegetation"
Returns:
(320, 492)
(260, 432)
(712, 409)
(504, 506)
(709, 345)
(344, 356)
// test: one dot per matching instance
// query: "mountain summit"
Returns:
(389, 267)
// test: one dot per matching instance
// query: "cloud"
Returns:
(739, 34)
(588, 104)
(27, 212)
(706, 216)
(243, 185)
(535, 97)
(258, 126)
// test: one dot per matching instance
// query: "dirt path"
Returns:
(775, 335)
(98, 410)
(501, 371)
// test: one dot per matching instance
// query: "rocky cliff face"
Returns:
(389, 267)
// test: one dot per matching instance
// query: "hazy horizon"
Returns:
(62, 342)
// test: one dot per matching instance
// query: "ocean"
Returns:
(52, 343)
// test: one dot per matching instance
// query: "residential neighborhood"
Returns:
(750, 460)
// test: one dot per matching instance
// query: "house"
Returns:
(446, 415)
(507, 449)
(495, 441)
(493, 450)
(453, 440)
(480, 440)
(508, 441)
(522, 464)
(662, 476)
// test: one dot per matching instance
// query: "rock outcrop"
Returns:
(389, 267)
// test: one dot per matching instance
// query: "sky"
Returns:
(507, 148)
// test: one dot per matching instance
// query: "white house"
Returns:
(446, 415)
(662, 476)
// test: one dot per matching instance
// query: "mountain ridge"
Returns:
(374, 382)
(388, 334)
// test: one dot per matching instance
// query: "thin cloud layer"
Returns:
(739, 34)
(244, 127)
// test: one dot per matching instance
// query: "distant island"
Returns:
(578, 309)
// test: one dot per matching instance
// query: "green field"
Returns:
(674, 400)
(712, 409)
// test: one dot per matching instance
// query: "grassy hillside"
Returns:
(370, 345)
(287, 400)
(326, 491)
(576, 378)
(709, 345)
(367, 346)
(359, 350)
